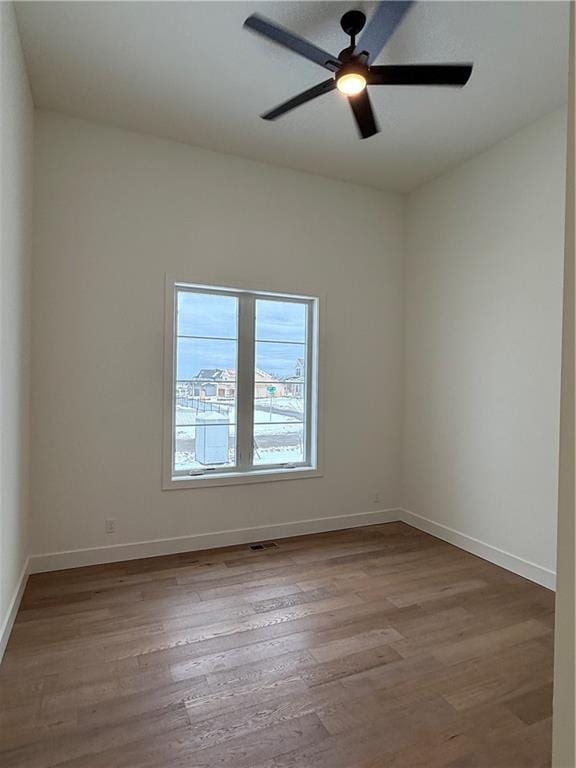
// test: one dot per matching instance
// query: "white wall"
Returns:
(16, 130)
(483, 278)
(564, 742)
(480, 336)
(114, 212)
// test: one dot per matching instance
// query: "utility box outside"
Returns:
(211, 438)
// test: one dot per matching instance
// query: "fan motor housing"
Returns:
(353, 22)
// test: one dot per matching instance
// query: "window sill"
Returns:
(240, 478)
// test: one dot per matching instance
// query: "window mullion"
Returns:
(309, 372)
(245, 377)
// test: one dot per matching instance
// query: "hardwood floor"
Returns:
(365, 648)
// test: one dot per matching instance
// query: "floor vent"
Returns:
(263, 545)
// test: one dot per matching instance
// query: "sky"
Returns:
(280, 334)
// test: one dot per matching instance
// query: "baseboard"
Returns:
(77, 558)
(114, 553)
(8, 622)
(525, 568)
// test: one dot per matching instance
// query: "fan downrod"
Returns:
(353, 22)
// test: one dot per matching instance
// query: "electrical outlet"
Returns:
(110, 525)
(376, 498)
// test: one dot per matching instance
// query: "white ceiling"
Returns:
(188, 71)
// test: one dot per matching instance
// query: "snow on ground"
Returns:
(184, 460)
(279, 437)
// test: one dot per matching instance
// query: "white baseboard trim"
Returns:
(117, 552)
(8, 621)
(525, 568)
(114, 553)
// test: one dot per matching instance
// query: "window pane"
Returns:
(280, 321)
(191, 405)
(279, 403)
(206, 389)
(279, 443)
(212, 359)
(207, 314)
(277, 361)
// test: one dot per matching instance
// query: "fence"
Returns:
(201, 405)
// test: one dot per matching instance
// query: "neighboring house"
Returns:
(214, 382)
(294, 386)
(264, 382)
(221, 382)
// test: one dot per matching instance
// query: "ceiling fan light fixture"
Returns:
(351, 83)
(354, 69)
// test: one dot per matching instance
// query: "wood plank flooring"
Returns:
(364, 648)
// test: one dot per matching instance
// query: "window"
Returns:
(241, 385)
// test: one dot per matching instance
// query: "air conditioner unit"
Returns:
(211, 438)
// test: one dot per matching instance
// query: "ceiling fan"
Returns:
(353, 68)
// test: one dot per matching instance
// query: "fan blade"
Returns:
(381, 27)
(291, 41)
(362, 109)
(302, 98)
(455, 75)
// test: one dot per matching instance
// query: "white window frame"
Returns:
(244, 471)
